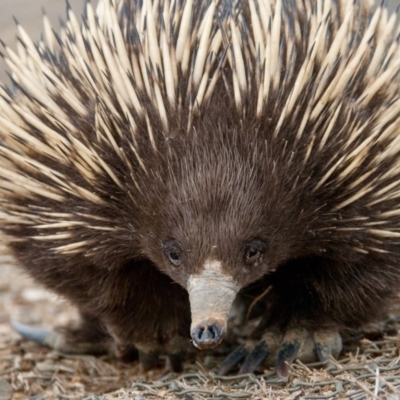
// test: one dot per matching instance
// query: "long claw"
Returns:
(59, 341)
(233, 359)
(286, 355)
(323, 352)
(126, 353)
(148, 361)
(294, 341)
(327, 343)
(40, 336)
(176, 362)
(255, 358)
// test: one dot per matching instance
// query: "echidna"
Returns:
(166, 155)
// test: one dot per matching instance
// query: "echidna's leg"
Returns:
(89, 337)
(177, 348)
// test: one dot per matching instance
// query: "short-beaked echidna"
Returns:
(165, 155)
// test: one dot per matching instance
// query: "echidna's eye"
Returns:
(174, 258)
(173, 252)
(253, 252)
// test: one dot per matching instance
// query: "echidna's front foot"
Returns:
(149, 352)
(283, 348)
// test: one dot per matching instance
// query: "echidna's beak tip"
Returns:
(208, 335)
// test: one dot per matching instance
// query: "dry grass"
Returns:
(368, 368)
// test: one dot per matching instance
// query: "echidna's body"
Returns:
(196, 147)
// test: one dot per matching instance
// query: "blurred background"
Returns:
(29, 14)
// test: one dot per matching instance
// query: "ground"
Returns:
(368, 368)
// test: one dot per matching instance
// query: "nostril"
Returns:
(198, 333)
(213, 331)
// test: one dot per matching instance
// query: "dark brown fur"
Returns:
(212, 190)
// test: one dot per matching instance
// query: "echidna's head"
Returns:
(215, 232)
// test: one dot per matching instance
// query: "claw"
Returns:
(233, 359)
(295, 341)
(176, 362)
(286, 355)
(40, 336)
(323, 352)
(126, 353)
(255, 358)
(148, 361)
(327, 344)
(59, 341)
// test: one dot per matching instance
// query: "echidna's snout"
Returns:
(211, 295)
